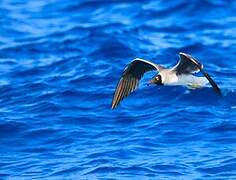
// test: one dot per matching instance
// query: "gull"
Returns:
(181, 74)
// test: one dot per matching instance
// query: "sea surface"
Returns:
(60, 62)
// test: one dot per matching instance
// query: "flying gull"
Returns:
(181, 74)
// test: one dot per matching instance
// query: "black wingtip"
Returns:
(212, 82)
(217, 90)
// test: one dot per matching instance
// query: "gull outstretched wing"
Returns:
(130, 79)
(188, 65)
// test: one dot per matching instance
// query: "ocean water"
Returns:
(60, 61)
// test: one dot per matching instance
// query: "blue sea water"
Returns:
(60, 61)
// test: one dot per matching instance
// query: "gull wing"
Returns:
(130, 79)
(188, 65)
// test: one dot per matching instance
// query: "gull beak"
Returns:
(152, 81)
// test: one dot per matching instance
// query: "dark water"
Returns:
(60, 61)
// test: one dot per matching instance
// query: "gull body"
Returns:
(170, 78)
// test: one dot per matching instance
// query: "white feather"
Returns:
(189, 80)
